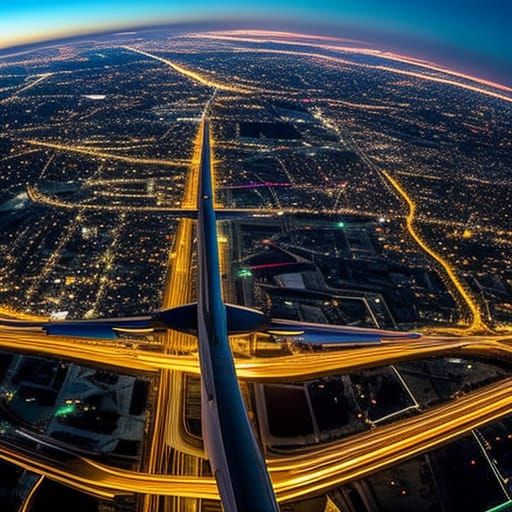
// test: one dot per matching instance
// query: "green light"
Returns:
(244, 273)
(504, 506)
(64, 410)
(340, 224)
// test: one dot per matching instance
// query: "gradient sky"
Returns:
(476, 34)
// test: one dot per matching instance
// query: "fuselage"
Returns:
(235, 456)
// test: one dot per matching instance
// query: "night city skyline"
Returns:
(255, 258)
(467, 36)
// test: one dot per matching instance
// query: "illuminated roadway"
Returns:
(461, 293)
(141, 357)
(477, 323)
(36, 196)
(93, 152)
(167, 435)
(41, 78)
(299, 474)
(196, 76)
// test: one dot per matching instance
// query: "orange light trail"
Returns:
(258, 369)
(299, 474)
(477, 323)
(84, 150)
(379, 54)
(9, 312)
(27, 502)
(167, 435)
(194, 75)
(36, 196)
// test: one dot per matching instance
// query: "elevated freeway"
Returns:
(299, 474)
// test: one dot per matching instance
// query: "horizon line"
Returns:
(206, 26)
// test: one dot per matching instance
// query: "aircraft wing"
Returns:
(98, 328)
(322, 334)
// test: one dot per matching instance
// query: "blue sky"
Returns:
(475, 31)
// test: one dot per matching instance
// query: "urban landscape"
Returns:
(252, 270)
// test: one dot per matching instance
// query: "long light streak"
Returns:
(300, 474)
(42, 78)
(27, 502)
(177, 291)
(194, 75)
(85, 150)
(261, 369)
(385, 56)
(477, 323)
